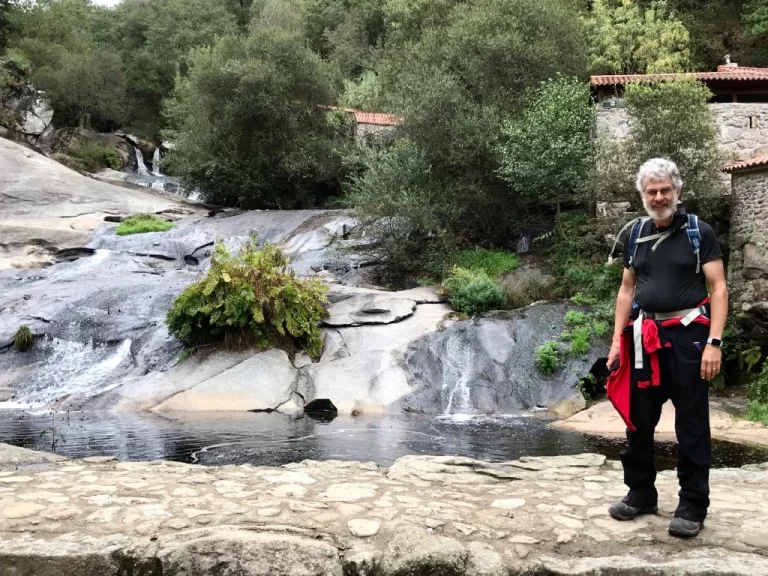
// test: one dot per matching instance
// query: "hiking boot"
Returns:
(623, 511)
(683, 528)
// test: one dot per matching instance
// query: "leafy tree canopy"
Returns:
(247, 123)
(627, 39)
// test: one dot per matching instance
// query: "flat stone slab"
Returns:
(602, 419)
(423, 515)
(369, 309)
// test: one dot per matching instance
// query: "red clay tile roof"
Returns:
(746, 164)
(377, 118)
(732, 73)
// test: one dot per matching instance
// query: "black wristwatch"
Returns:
(716, 342)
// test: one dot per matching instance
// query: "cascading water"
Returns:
(74, 369)
(457, 370)
(141, 167)
(156, 163)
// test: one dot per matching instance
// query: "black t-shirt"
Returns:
(667, 278)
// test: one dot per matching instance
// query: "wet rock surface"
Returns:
(487, 365)
(422, 515)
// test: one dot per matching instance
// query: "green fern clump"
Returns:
(492, 262)
(251, 299)
(141, 223)
(23, 339)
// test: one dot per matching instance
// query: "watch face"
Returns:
(715, 342)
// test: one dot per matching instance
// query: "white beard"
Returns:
(662, 214)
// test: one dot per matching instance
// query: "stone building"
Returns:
(748, 266)
(739, 104)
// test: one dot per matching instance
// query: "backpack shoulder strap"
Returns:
(694, 237)
(618, 237)
(634, 234)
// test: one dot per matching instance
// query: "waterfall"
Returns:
(156, 163)
(141, 168)
(457, 370)
(71, 368)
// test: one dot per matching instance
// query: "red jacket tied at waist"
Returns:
(619, 382)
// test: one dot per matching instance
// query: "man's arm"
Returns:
(623, 310)
(718, 293)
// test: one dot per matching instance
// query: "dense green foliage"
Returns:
(92, 155)
(492, 262)
(247, 127)
(627, 38)
(250, 299)
(142, 223)
(473, 291)
(546, 155)
(669, 119)
(23, 339)
(547, 358)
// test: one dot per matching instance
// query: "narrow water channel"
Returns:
(275, 439)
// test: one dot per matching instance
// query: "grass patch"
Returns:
(141, 223)
(758, 412)
(492, 262)
(23, 339)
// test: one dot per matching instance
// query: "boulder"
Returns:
(261, 383)
(369, 309)
(31, 113)
(244, 552)
(13, 456)
(487, 365)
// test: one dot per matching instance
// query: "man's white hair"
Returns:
(658, 169)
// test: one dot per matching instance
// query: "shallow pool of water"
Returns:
(272, 439)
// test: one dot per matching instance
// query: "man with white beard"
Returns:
(666, 345)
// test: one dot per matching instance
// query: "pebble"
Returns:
(363, 528)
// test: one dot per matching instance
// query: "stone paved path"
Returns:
(423, 515)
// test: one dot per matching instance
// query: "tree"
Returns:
(546, 154)
(672, 119)
(5, 23)
(456, 84)
(248, 126)
(85, 85)
(156, 38)
(756, 17)
(626, 39)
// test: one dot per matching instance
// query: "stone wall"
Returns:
(748, 269)
(743, 127)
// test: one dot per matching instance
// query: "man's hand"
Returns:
(710, 362)
(613, 355)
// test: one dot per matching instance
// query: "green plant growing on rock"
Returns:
(492, 262)
(473, 291)
(252, 299)
(93, 156)
(142, 223)
(23, 340)
(548, 358)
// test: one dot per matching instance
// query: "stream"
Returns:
(215, 438)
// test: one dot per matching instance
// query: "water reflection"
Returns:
(274, 439)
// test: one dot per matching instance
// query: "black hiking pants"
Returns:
(681, 382)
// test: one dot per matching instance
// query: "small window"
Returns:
(754, 122)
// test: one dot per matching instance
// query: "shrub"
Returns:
(94, 155)
(575, 318)
(473, 292)
(23, 339)
(758, 412)
(251, 299)
(758, 388)
(547, 358)
(141, 223)
(492, 262)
